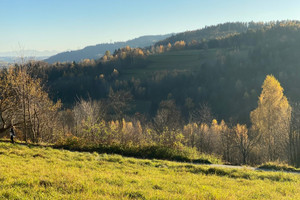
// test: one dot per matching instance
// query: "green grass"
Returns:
(278, 167)
(184, 154)
(46, 173)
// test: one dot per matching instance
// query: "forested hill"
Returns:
(225, 74)
(212, 32)
(97, 51)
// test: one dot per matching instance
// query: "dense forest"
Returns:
(212, 32)
(226, 74)
(199, 89)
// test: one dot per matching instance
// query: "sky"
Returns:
(62, 25)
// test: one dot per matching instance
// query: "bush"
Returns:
(70, 142)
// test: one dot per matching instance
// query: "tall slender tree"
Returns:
(271, 119)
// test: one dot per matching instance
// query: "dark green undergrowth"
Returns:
(278, 167)
(183, 154)
(232, 173)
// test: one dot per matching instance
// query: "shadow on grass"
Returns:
(24, 143)
(278, 167)
(234, 173)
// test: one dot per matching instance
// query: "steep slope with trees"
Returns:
(176, 98)
(217, 72)
(211, 32)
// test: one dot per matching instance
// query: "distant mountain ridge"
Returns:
(204, 34)
(212, 32)
(97, 51)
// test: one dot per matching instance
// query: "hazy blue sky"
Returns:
(72, 24)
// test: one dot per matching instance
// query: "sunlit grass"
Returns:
(46, 173)
(279, 167)
(181, 154)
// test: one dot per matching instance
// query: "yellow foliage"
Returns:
(104, 58)
(190, 128)
(273, 107)
(179, 43)
(127, 48)
(214, 122)
(204, 128)
(272, 117)
(241, 132)
(123, 55)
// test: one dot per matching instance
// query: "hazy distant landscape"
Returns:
(161, 100)
(8, 58)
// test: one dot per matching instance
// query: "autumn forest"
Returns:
(229, 90)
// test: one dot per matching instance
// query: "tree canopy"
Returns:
(272, 118)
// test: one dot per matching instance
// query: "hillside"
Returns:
(97, 51)
(212, 32)
(224, 73)
(29, 172)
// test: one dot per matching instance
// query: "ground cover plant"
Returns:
(33, 172)
(278, 167)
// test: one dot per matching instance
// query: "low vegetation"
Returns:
(32, 172)
(279, 167)
(184, 154)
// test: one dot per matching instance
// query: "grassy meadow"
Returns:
(29, 172)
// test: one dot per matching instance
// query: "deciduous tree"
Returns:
(272, 118)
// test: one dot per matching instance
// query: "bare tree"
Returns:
(88, 117)
(168, 115)
(119, 102)
(202, 114)
(28, 105)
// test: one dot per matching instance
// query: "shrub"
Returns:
(70, 142)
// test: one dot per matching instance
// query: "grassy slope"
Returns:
(46, 173)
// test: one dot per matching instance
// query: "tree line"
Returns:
(102, 105)
(232, 68)
(272, 136)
